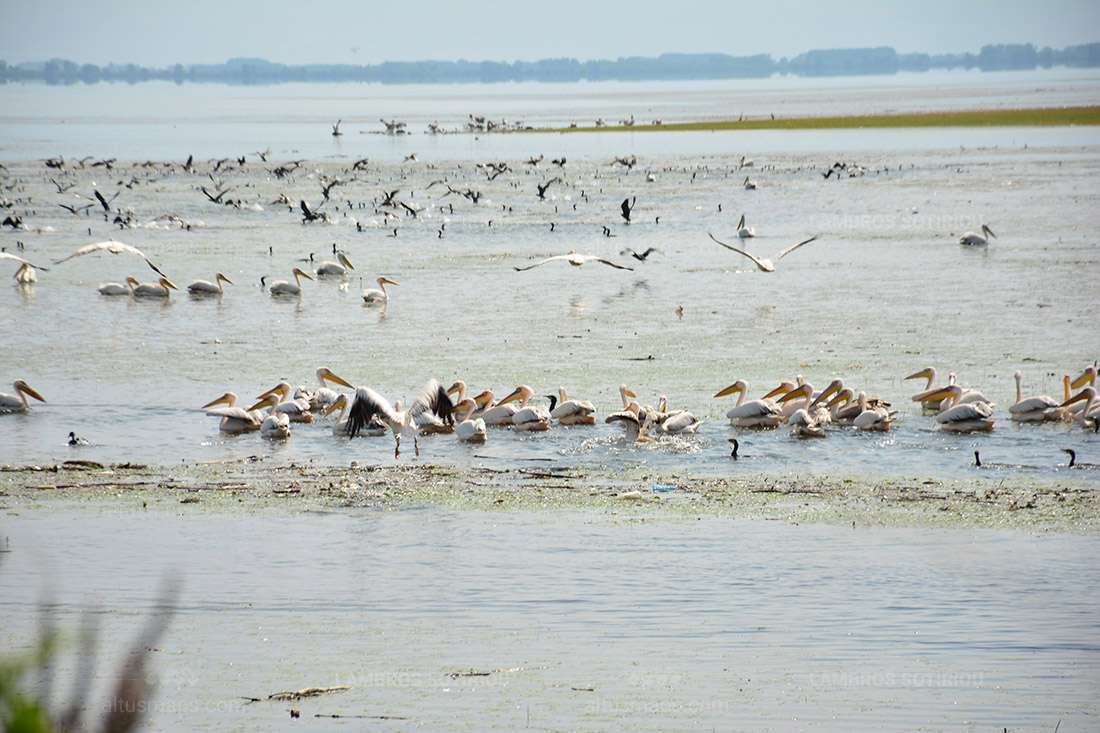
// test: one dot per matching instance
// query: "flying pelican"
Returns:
(160, 289)
(285, 287)
(959, 416)
(765, 264)
(1033, 409)
(296, 410)
(977, 239)
(276, 426)
(527, 418)
(573, 412)
(119, 288)
(378, 296)
(18, 402)
(338, 269)
(743, 231)
(576, 260)
(640, 257)
(205, 287)
(369, 404)
(324, 396)
(471, 430)
(233, 419)
(24, 274)
(114, 248)
(753, 414)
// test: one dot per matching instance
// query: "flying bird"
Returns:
(764, 263)
(627, 206)
(114, 248)
(576, 260)
(640, 257)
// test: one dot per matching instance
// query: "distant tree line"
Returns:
(671, 66)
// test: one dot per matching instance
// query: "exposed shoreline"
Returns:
(1036, 117)
(1066, 505)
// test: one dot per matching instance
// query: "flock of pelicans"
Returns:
(437, 410)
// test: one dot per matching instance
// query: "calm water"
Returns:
(885, 291)
(590, 621)
(587, 622)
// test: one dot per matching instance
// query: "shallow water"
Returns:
(586, 621)
(884, 291)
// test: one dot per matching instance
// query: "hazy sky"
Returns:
(164, 32)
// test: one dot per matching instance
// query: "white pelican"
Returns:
(871, 418)
(677, 421)
(369, 404)
(928, 373)
(205, 287)
(573, 412)
(1033, 409)
(337, 269)
(119, 288)
(24, 274)
(160, 289)
(469, 429)
(18, 402)
(380, 295)
(637, 428)
(296, 409)
(340, 427)
(625, 392)
(576, 260)
(844, 407)
(753, 414)
(285, 287)
(527, 418)
(978, 239)
(276, 426)
(325, 396)
(749, 185)
(494, 413)
(744, 232)
(803, 396)
(764, 263)
(804, 425)
(962, 417)
(233, 419)
(114, 248)
(1091, 410)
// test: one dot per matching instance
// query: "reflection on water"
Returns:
(583, 621)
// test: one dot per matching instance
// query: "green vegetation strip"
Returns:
(1039, 117)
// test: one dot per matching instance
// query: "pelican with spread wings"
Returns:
(576, 260)
(114, 248)
(766, 264)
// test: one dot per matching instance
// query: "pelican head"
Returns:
(834, 386)
(1086, 377)
(466, 405)
(950, 391)
(325, 375)
(167, 283)
(269, 400)
(1088, 393)
(340, 402)
(223, 278)
(738, 386)
(385, 281)
(844, 395)
(803, 390)
(988, 231)
(298, 272)
(928, 373)
(345, 261)
(21, 386)
(226, 399)
(459, 386)
(784, 388)
(282, 389)
(521, 392)
(485, 398)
